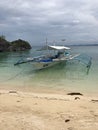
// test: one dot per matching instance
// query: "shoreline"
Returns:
(47, 111)
(43, 89)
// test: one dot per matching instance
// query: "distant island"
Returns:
(95, 44)
(17, 45)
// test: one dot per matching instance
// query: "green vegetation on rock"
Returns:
(17, 45)
(4, 44)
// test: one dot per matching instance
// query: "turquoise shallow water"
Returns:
(72, 76)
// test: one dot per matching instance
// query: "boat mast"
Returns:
(47, 46)
(46, 43)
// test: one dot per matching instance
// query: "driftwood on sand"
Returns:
(75, 93)
(94, 100)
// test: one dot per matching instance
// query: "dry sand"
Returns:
(45, 111)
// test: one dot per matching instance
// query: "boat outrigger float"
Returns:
(60, 55)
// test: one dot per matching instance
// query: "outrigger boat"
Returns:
(60, 55)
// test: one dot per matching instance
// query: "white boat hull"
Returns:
(43, 65)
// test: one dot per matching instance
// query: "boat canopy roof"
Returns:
(58, 47)
(49, 47)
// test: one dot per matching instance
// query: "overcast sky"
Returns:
(34, 20)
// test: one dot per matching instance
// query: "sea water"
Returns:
(72, 76)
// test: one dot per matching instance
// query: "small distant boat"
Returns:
(55, 55)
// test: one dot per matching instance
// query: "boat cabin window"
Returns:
(67, 53)
(60, 53)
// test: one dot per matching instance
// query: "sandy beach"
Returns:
(45, 111)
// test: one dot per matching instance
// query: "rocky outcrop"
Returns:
(4, 45)
(17, 45)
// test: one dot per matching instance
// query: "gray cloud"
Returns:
(34, 20)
